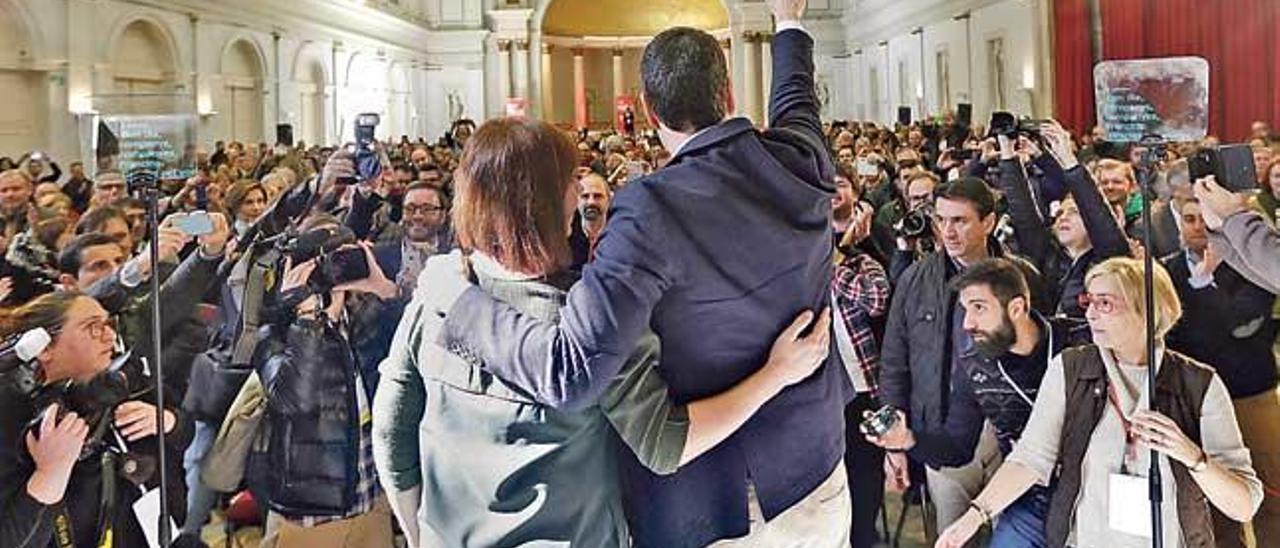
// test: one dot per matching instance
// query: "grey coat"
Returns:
(497, 469)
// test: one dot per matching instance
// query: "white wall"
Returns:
(1018, 23)
(70, 58)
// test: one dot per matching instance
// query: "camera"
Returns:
(880, 423)
(1007, 125)
(337, 260)
(367, 163)
(916, 224)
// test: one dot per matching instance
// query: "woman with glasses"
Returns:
(1098, 453)
(52, 457)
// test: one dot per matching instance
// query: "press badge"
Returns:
(147, 510)
(1129, 504)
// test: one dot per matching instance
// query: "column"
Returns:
(521, 58)
(504, 70)
(726, 46)
(579, 89)
(548, 100)
(751, 75)
(618, 86)
(766, 69)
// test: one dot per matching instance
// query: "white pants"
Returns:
(820, 520)
(951, 489)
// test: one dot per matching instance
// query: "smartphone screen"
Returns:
(197, 223)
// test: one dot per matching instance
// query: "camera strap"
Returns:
(63, 533)
(260, 280)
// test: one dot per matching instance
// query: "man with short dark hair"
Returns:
(593, 206)
(110, 221)
(925, 336)
(674, 262)
(1002, 360)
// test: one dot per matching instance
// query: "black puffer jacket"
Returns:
(307, 465)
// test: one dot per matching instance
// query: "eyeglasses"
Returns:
(424, 210)
(97, 327)
(1105, 304)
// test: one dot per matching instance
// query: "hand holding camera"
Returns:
(55, 451)
(1217, 203)
(887, 428)
(376, 283)
(1059, 144)
(137, 420)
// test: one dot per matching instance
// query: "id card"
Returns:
(147, 510)
(1129, 505)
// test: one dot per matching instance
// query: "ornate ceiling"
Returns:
(630, 17)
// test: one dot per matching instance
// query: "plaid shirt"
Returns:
(861, 291)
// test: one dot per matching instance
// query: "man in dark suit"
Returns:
(717, 253)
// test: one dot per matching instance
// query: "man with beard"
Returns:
(593, 206)
(423, 232)
(16, 190)
(1003, 358)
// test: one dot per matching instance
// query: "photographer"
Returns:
(925, 324)
(318, 365)
(912, 230)
(1083, 233)
(72, 477)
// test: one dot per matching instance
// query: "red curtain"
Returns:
(1233, 35)
(1073, 64)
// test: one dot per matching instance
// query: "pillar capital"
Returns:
(578, 51)
(504, 45)
(522, 45)
(547, 49)
(617, 52)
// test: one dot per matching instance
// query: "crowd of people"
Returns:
(706, 334)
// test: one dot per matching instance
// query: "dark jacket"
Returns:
(983, 393)
(1180, 388)
(716, 253)
(1227, 325)
(308, 464)
(1037, 242)
(915, 360)
(26, 523)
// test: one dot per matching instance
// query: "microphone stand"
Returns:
(1154, 148)
(149, 185)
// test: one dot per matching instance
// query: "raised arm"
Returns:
(1034, 239)
(1105, 235)
(794, 109)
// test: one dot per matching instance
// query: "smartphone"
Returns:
(867, 169)
(196, 223)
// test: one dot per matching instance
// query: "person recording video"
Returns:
(76, 448)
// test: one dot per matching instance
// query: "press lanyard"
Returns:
(1130, 453)
(1014, 385)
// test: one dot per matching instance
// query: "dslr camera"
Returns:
(916, 224)
(338, 259)
(1007, 125)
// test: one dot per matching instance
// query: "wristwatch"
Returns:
(1202, 463)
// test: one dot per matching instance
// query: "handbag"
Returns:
(224, 466)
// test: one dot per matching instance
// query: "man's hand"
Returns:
(1208, 264)
(1217, 203)
(376, 283)
(788, 10)
(341, 165)
(897, 472)
(898, 438)
(214, 243)
(1060, 146)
